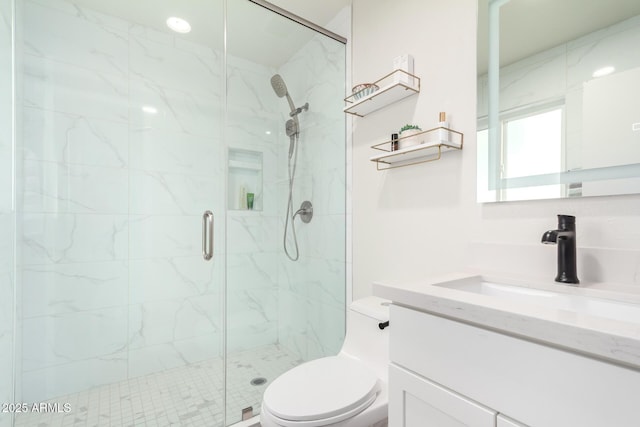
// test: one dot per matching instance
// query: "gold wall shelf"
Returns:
(428, 151)
(394, 86)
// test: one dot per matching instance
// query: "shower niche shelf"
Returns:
(244, 172)
(429, 150)
(393, 87)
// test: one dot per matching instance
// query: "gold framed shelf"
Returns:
(393, 87)
(429, 150)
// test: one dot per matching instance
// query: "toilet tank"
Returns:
(364, 340)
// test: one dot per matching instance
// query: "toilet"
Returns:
(347, 390)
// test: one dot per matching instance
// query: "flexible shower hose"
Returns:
(292, 175)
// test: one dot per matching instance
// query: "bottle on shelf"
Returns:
(443, 134)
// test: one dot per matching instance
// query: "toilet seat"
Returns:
(333, 389)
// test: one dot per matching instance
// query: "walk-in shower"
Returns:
(117, 135)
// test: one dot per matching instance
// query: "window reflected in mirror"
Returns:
(561, 96)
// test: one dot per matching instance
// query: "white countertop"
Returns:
(613, 340)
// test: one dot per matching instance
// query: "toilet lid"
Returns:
(322, 388)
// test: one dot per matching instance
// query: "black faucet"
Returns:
(565, 238)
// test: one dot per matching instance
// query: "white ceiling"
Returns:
(531, 26)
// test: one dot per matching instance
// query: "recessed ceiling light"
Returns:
(178, 25)
(604, 71)
(268, 132)
(149, 109)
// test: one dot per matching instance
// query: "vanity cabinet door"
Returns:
(415, 401)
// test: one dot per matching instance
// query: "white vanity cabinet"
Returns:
(448, 373)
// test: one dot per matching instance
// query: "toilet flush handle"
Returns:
(383, 325)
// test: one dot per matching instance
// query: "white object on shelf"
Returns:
(404, 63)
(409, 138)
(443, 134)
(390, 91)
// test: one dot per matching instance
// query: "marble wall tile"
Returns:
(252, 318)
(257, 270)
(62, 87)
(172, 67)
(325, 329)
(176, 278)
(163, 322)
(55, 289)
(150, 359)
(6, 243)
(6, 341)
(56, 187)
(329, 191)
(326, 281)
(164, 236)
(49, 33)
(326, 236)
(53, 340)
(80, 12)
(43, 384)
(7, 217)
(292, 325)
(67, 238)
(159, 193)
(176, 110)
(174, 152)
(252, 234)
(74, 139)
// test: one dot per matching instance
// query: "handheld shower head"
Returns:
(278, 85)
(280, 88)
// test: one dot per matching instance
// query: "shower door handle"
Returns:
(207, 235)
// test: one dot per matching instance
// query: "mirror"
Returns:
(558, 99)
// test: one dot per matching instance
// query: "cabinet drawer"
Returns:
(533, 383)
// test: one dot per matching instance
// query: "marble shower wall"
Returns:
(271, 299)
(559, 74)
(312, 291)
(113, 281)
(7, 214)
(253, 236)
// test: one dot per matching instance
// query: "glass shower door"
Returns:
(119, 155)
(282, 312)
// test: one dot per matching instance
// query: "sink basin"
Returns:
(611, 309)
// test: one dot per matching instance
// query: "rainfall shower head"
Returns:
(280, 89)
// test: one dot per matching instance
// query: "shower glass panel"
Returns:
(119, 154)
(117, 135)
(7, 214)
(281, 313)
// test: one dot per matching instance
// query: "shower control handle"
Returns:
(207, 235)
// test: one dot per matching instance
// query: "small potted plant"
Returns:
(407, 136)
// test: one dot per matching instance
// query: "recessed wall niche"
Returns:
(245, 177)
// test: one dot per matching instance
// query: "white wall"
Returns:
(423, 220)
(414, 221)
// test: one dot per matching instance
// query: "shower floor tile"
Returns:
(187, 396)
